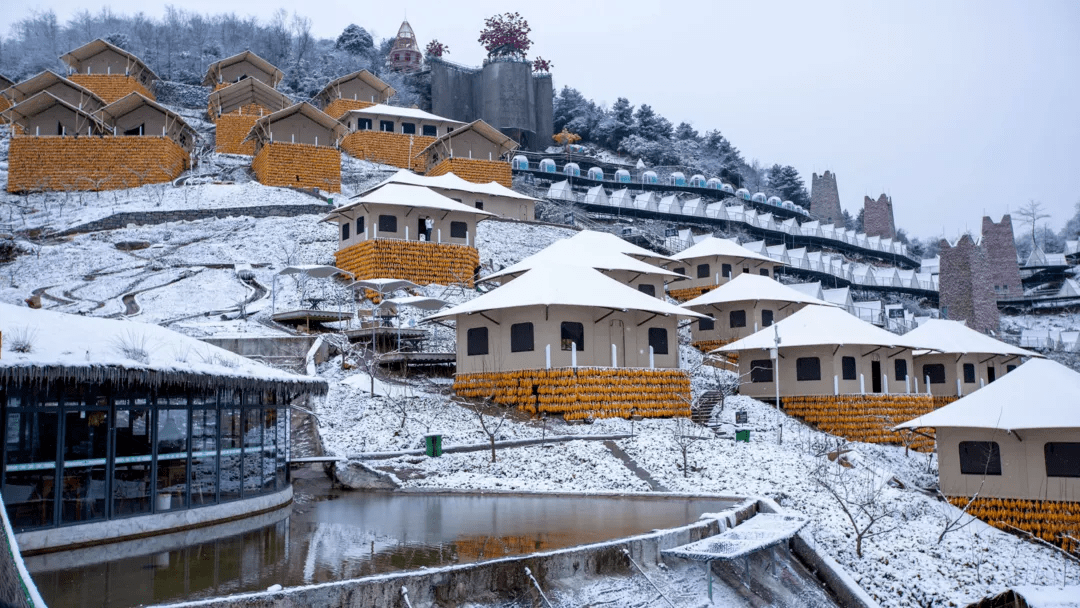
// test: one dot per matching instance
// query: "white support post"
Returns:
(406, 233)
(982, 382)
(292, 138)
(885, 383)
(755, 327)
(547, 357)
(573, 354)
(836, 385)
(862, 384)
(466, 239)
(959, 388)
(614, 356)
(438, 234)
(374, 230)
(316, 140)
(652, 358)
(927, 385)
(907, 385)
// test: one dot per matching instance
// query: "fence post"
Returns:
(885, 383)
(927, 379)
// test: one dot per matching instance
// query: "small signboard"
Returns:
(741, 417)
(671, 232)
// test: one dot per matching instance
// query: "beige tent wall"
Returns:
(831, 365)
(722, 330)
(407, 217)
(694, 286)
(300, 129)
(232, 73)
(441, 127)
(105, 62)
(357, 90)
(954, 368)
(49, 120)
(502, 206)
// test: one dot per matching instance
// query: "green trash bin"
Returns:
(433, 445)
(743, 435)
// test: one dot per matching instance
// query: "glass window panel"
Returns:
(133, 454)
(935, 372)
(30, 477)
(761, 370)
(980, 458)
(1062, 459)
(572, 336)
(204, 427)
(85, 449)
(807, 369)
(847, 368)
(230, 454)
(269, 453)
(172, 453)
(252, 421)
(283, 443)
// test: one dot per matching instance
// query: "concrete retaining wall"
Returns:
(146, 218)
(273, 348)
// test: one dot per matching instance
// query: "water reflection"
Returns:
(338, 536)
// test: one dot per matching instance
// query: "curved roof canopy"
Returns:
(381, 109)
(582, 252)
(407, 196)
(212, 70)
(247, 91)
(752, 287)
(134, 66)
(71, 92)
(596, 239)
(450, 181)
(712, 246)
(365, 76)
(954, 337)
(819, 326)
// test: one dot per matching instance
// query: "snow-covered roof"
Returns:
(92, 349)
(946, 336)
(93, 48)
(563, 285)
(1040, 394)
(606, 240)
(450, 181)
(583, 252)
(210, 79)
(719, 247)
(382, 109)
(406, 196)
(753, 287)
(818, 326)
(840, 295)
(384, 286)
(316, 271)
(811, 289)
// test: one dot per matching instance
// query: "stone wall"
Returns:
(150, 218)
(298, 166)
(825, 199)
(421, 262)
(394, 149)
(1000, 245)
(92, 163)
(965, 285)
(878, 217)
(475, 171)
(339, 107)
(110, 87)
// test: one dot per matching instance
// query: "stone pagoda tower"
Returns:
(405, 55)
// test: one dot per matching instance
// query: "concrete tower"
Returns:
(1000, 245)
(965, 285)
(878, 217)
(825, 199)
(405, 55)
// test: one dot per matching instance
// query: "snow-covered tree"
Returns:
(355, 40)
(685, 131)
(788, 185)
(616, 124)
(650, 125)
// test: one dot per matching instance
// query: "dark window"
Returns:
(449, 129)
(573, 334)
(969, 373)
(386, 125)
(430, 131)
(647, 289)
(459, 230)
(387, 223)
(136, 131)
(408, 128)
(763, 272)
(658, 340)
(847, 368)
(1009, 368)
(706, 324)
(345, 232)
(807, 369)
(360, 225)
(680, 270)
(702, 271)
(766, 318)
(761, 370)
(725, 271)
(980, 458)
(480, 205)
(935, 372)
(737, 318)
(746, 270)
(363, 124)
(991, 373)
(1062, 459)
(478, 341)
(900, 366)
(59, 128)
(521, 337)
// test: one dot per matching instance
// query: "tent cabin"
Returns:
(1016, 445)
(234, 108)
(713, 262)
(605, 240)
(959, 360)
(492, 196)
(135, 115)
(569, 340)
(585, 249)
(60, 87)
(572, 170)
(45, 115)
(408, 232)
(741, 307)
(561, 191)
(354, 91)
(597, 196)
(241, 66)
(297, 148)
(5, 82)
(109, 71)
(622, 176)
(392, 135)
(475, 152)
(596, 174)
(110, 420)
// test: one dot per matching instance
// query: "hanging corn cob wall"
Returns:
(4, 104)
(708, 345)
(1050, 520)
(867, 418)
(298, 166)
(475, 170)
(387, 148)
(339, 107)
(92, 163)
(584, 392)
(231, 129)
(421, 262)
(110, 87)
(683, 295)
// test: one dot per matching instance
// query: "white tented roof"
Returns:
(753, 287)
(449, 181)
(606, 240)
(381, 109)
(583, 252)
(811, 289)
(561, 191)
(562, 285)
(407, 196)
(954, 337)
(818, 326)
(720, 247)
(1040, 394)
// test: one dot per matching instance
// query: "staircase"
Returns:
(701, 413)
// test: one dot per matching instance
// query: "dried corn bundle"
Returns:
(1054, 521)
(4, 104)
(92, 163)
(298, 166)
(230, 131)
(475, 170)
(710, 345)
(683, 295)
(584, 392)
(110, 87)
(339, 107)
(867, 418)
(421, 262)
(388, 148)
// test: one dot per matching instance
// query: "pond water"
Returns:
(329, 535)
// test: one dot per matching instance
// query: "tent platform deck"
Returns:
(385, 333)
(761, 531)
(418, 358)
(305, 316)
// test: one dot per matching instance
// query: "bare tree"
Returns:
(490, 423)
(681, 430)
(1031, 213)
(858, 492)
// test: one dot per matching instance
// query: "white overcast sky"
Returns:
(955, 109)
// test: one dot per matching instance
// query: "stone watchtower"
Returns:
(965, 285)
(825, 199)
(1000, 245)
(878, 217)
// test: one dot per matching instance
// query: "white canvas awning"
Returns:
(752, 287)
(819, 326)
(713, 246)
(954, 337)
(408, 196)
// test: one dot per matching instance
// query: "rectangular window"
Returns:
(980, 458)
(746, 270)
(387, 223)
(763, 272)
(702, 271)
(1062, 459)
(737, 318)
(900, 367)
(345, 231)
(450, 129)
(480, 205)
(807, 369)
(647, 289)
(969, 373)
(658, 340)
(430, 131)
(477, 339)
(360, 225)
(521, 337)
(408, 128)
(725, 271)
(363, 124)
(991, 373)
(386, 126)
(459, 230)
(680, 270)
(935, 372)
(1009, 368)
(706, 324)
(766, 318)
(761, 370)
(847, 368)
(572, 336)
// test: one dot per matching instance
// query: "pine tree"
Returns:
(355, 40)
(685, 131)
(650, 125)
(616, 125)
(786, 183)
